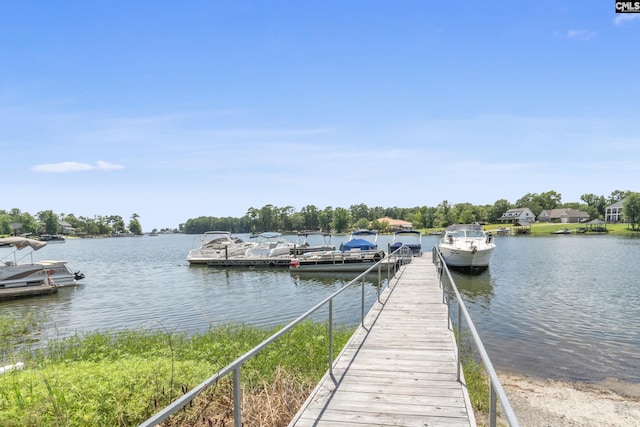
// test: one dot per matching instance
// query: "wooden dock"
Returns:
(400, 368)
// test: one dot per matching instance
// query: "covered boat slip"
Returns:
(399, 369)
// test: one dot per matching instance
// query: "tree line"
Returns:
(329, 219)
(46, 222)
(340, 220)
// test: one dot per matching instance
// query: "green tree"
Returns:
(549, 199)
(325, 217)
(499, 207)
(596, 205)
(50, 221)
(618, 195)
(311, 220)
(134, 225)
(631, 209)
(362, 224)
(360, 211)
(340, 222)
(444, 215)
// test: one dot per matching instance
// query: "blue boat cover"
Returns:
(362, 244)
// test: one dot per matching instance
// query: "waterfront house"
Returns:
(613, 213)
(563, 215)
(396, 224)
(518, 215)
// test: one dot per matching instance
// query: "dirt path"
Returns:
(543, 403)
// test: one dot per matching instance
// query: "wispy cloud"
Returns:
(580, 34)
(65, 167)
(622, 19)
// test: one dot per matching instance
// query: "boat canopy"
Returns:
(401, 232)
(22, 242)
(266, 235)
(361, 244)
(364, 233)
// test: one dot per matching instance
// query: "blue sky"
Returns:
(174, 110)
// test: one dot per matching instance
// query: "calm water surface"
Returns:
(558, 307)
(564, 307)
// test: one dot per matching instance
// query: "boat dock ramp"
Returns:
(400, 367)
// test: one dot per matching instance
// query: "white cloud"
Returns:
(621, 19)
(108, 166)
(580, 34)
(65, 167)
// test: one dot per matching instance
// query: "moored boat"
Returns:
(466, 246)
(215, 245)
(304, 245)
(54, 272)
(561, 231)
(268, 245)
(409, 238)
(353, 260)
(357, 241)
(51, 238)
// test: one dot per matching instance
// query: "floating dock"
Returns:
(263, 262)
(27, 291)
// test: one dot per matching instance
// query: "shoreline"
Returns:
(543, 402)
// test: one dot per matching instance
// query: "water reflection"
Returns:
(477, 286)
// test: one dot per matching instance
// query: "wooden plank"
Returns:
(400, 368)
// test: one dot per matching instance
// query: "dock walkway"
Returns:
(400, 368)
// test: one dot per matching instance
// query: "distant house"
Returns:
(66, 228)
(396, 224)
(563, 215)
(520, 215)
(613, 213)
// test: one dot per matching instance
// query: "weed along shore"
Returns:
(122, 379)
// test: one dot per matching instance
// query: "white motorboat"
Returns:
(269, 245)
(410, 238)
(466, 246)
(215, 245)
(354, 260)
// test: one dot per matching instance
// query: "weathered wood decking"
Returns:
(400, 369)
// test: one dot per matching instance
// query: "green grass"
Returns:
(545, 228)
(122, 379)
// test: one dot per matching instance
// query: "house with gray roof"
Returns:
(613, 213)
(520, 215)
(563, 215)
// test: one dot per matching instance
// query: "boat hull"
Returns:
(465, 258)
(351, 261)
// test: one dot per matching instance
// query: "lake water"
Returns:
(565, 307)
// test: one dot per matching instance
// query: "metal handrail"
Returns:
(393, 261)
(495, 387)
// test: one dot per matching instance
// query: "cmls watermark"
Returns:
(628, 7)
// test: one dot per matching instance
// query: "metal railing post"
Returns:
(237, 398)
(492, 405)
(331, 337)
(459, 341)
(362, 302)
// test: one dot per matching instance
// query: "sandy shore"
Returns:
(548, 403)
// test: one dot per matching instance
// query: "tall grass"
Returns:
(121, 379)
